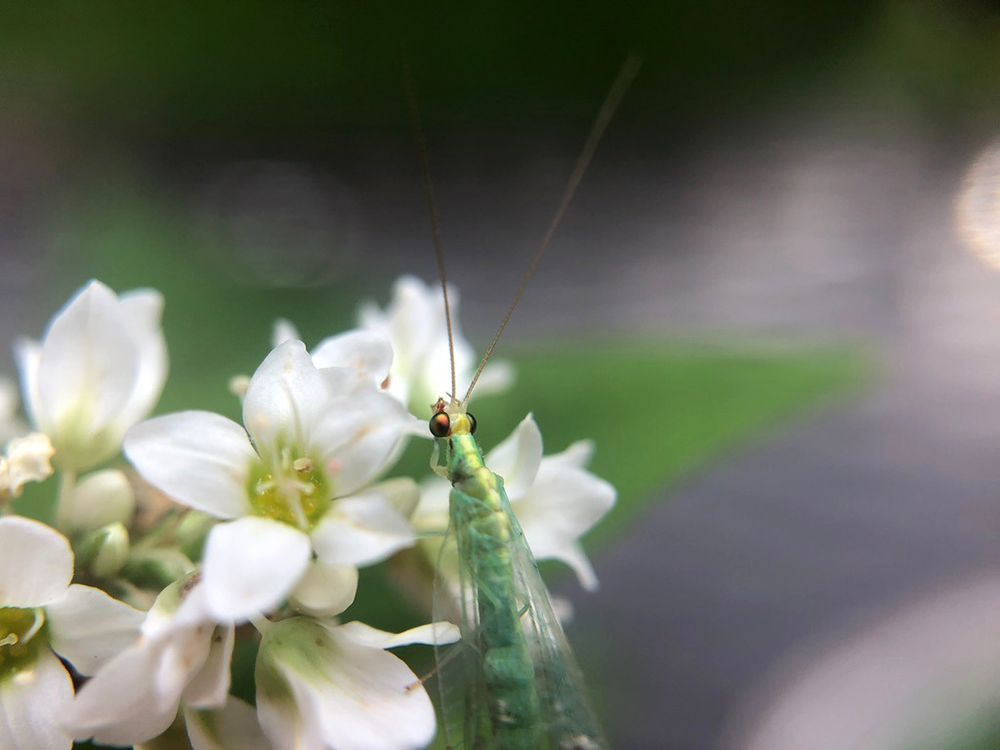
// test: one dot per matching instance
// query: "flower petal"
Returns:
(517, 458)
(402, 493)
(361, 530)
(142, 310)
(283, 330)
(232, 727)
(564, 502)
(209, 687)
(372, 699)
(313, 677)
(89, 359)
(284, 399)
(433, 633)
(431, 514)
(87, 627)
(251, 565)
(121, 704)
(36, 563)
(573, 555)
(285, 721)
(326, 590)
(31, 704)
(357, 437)
(497, 376)
(369, 353)
(27, 355)
(197, 458)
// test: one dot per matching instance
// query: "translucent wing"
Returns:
(570, 722)
(565, 718)
(459, 673)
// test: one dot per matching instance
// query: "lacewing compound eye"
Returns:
(440, 425)
(472, 423)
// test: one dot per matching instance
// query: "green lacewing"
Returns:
(520, 687)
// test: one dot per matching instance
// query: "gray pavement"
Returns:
(822, 527)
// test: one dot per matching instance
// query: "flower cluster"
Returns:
(172, 538)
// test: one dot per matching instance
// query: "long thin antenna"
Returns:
(418, 136)
(628, 72)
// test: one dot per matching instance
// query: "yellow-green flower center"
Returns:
(293, 492)
(21, 638)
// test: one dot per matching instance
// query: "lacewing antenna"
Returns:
(624, 79)
(626, 74)
(418, 137)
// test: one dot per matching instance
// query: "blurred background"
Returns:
(773, 304)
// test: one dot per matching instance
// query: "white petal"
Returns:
(233, 727)
(431, 514)
(89, 359)
(497, 376)
(563, 504)
(36, 563)
(284, 398)
(357, 438)
(573, 555)
(283, 330)
(210, 685)
(31, 704)
(326, 590)
(516, 459)
(87, 627)
(410, 319)
(197, 458)
(287, 723)
(402, 493)
(121, 705)
(361, 530)
(368, 353)
(577, 454)
(27, 355)
(372, 699)
(433, 633)
(142, 310)
(252, 565)
(101, 498)
(358, 697)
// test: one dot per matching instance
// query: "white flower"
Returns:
(98, 370)
(323, 685)
(415, 323)
(40, 612)
(294, 485)
(555, 499)
(183, 655)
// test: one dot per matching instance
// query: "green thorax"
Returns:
(466, 468)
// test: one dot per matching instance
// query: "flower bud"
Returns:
(105, 550)
(102, 498)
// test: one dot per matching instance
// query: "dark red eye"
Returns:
(440, 425)
(472, 423)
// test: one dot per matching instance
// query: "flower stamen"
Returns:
(293, 492)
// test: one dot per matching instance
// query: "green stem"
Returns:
(67, 484)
